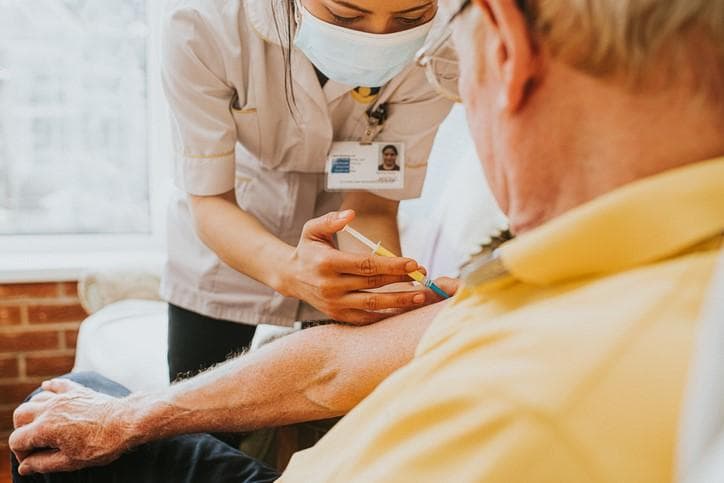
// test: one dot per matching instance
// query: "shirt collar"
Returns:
(639, 223)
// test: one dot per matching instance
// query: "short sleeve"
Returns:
(416, 113)
(199, 98)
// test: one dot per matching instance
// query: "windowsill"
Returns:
(36, 267)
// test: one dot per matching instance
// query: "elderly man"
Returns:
(562, 358)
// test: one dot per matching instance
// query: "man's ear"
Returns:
(510, 49)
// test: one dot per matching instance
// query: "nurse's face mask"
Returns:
(356, 58)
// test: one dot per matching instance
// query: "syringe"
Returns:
(378, 249)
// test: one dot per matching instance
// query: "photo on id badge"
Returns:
(389, 153)
(359, 166)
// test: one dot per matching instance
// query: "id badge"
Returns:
(358, 166)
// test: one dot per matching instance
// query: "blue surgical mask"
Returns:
(356, 58)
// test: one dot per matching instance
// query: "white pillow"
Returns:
(127, 342)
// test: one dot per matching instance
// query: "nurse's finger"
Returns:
(359, 317)
(324, 227)
(382, 301)
(371, 265)
(353, 283)
(446, 284)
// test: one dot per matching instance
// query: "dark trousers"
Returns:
(197, 342)
(196, 458)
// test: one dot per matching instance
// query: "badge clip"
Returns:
(375, 124)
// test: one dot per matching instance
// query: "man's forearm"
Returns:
(313, 374)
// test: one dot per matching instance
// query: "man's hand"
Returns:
(67, 427)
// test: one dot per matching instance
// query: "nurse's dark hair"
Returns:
(390, 146)
(284, 26)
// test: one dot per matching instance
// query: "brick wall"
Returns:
(38, 328)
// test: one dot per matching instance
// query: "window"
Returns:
(82, 149)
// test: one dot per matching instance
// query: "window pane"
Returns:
(73, 117)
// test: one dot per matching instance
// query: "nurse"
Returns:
(279, 111)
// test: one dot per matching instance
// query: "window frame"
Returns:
(65, 256)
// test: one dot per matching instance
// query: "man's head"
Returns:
(569, 99)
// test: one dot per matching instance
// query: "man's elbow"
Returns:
(338, 384)
(337, 395)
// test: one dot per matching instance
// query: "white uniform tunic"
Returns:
(224, 76)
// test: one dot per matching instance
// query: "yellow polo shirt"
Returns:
(570, 367)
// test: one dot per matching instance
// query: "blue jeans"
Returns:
(195, 458)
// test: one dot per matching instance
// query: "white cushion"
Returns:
(105, 285)
(127, 342)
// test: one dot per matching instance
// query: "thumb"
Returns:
(325, 226)
(448, 285)
(60, 385)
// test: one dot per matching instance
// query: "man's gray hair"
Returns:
(629, 37)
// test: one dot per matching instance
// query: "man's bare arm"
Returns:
(313, 374)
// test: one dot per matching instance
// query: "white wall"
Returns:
(456, 212)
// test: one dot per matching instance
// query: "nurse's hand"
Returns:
(332, 281)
